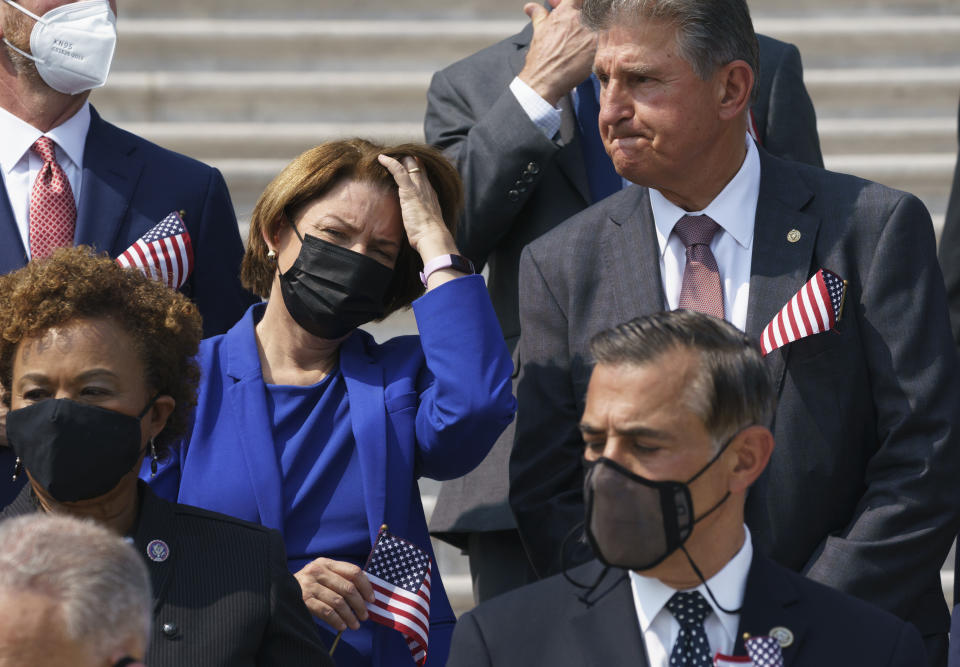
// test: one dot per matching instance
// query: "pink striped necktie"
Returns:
(701, 289)
(53, 212)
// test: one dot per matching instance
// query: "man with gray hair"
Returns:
(675, 426)
(72, 594)
(859, 494)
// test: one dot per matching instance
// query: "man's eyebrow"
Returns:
(634, 431)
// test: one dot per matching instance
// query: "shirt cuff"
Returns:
(543, 115)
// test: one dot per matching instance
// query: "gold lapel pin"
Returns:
(793, 235)
(783, 636)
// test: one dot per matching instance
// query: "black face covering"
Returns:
(635, 523)
(73, 450)
(330, 291)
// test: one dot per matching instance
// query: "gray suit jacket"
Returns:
(476, 120)
(555, 624)
(860, 492)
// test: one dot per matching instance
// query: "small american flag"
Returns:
(764, 651)
(817, 307)
(400, 574)
(164, 253)
(720, 660)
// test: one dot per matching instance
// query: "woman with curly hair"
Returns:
(308, 425)
(98, 368)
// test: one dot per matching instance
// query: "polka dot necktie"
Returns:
(692, 648)
(53, 212)
(701, 289)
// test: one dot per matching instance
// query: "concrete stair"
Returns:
(248, 85)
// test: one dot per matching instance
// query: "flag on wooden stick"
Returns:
(164, 253)
(817, 307)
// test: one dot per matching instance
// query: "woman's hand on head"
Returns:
(420, 208)
(336, 592)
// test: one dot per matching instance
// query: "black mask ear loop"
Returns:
(589, 589)
(683, 548)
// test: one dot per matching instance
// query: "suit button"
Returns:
(513, 195)
(533, 168)
(170, 630)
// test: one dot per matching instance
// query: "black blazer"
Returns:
(860, 493)
(223, 597)
(555, 624)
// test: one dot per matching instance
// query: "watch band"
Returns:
(455, 262)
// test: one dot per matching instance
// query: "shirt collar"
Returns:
(70, 136)
(728, 586)
(734, 209)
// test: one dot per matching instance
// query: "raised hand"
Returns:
(561, 51)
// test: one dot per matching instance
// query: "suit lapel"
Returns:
(12, 253)
(634, 254)
(248, 401)
(111, 170)
(779, 267)
(570, 158)
(607, 631)
(769, 602)
(156, 541)
(364, 380)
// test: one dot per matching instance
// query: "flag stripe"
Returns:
(386, 601)
(813, 309)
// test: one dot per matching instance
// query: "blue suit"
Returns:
(431, 405)
(129, 185)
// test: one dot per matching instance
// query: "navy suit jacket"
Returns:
(860, 493)
(129, 185)
(419, 406)
(554, 623)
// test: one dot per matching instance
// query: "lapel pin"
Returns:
(783, 636)
(183, 213)
(793, 235)
(158, 551)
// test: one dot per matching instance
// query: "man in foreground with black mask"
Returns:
(675, 426)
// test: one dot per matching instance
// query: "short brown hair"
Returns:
(316, 172)
(75, 282)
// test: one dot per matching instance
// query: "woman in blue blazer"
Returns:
(307, 425)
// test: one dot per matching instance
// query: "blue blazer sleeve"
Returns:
(466, 398)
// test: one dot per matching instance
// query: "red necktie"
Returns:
(701, 289)
(53, 212)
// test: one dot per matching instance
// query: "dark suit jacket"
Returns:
(555, 623)
(950, 249)
(474, 117)
(129, 185)
(225, 590)
(860, 492)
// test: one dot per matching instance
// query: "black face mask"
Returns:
(73, 450)
(330, 291)
(635, 523)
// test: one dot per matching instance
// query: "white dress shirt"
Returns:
(19, 165)
(735, 210)
(659, 627)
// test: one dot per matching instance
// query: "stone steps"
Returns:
(318, 45)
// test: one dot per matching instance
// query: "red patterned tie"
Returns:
(53, 212)
(701, 290)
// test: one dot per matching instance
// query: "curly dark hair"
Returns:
(314, 173)
(76, 282)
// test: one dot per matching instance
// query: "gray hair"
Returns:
(99, 582)
(710, 33)
(731, 387)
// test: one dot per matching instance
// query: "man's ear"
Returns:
(735, 81)
(752, 447)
